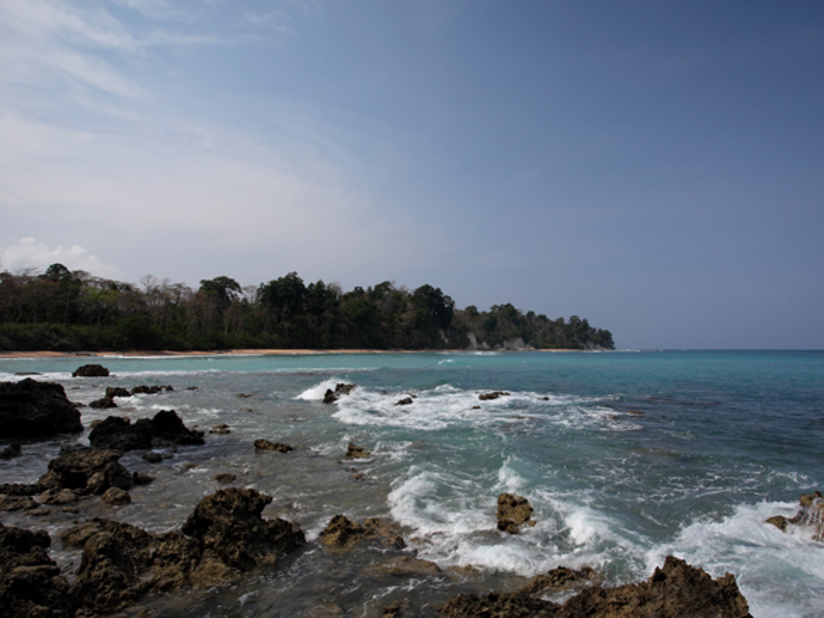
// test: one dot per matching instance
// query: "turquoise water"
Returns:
(625, 456)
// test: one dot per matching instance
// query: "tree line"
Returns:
(63, 310)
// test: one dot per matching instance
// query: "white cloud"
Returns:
(31, 253)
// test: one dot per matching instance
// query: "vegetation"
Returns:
(63, 310)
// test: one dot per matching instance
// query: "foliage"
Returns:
(64, 310)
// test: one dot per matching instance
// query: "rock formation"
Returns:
(809, 517)
(513, 512)
(90, 371)
(164, 429)
(331, 396)
(31, 409)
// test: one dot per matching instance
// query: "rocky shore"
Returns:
(225, 538)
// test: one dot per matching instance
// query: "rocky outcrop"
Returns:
(149, 390)
(513, 512)
(85, 471)
(164, 429)
(492, 395)
(225, 534)
(342, 534)
(677, 590)
(31, 409)
(30, 581)
(266, 445)
(90, 371)
(353, 451)
(810, 517)
(331, 396)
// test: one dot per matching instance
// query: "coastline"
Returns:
(243, 352)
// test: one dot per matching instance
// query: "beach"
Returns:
(625, 457)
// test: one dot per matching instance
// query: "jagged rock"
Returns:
(342, 534)
(398, 609)
(31, 409)
(30, 581)
(168, 428)
(58, 496)
(11, 451)
(809, 517)
(266, 445)
(404, 402)
(118, 432)
(677, 590)
(331, 396)
(560, 579)
(224, 477)
(103, 403)
(229, 524)
(116, 391)
(149, 390)
(90, 371)
(354, 451)
(114, 496)
(492, 395)
(513, 511)
(85, 471)
(17, 503)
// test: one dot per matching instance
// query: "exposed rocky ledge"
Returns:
(32, 409)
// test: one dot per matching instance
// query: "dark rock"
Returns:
(513, 511)
(560, 579)
(221, 429)
(167, 427)
(398, 609)
(59, 496)
(224, 477)
(105, 402)
(117, 432)
(404, 402)
(331, 396)
(229, 524)
(30, 581)
(114, 496)
(17, 503)
(116, 391)
(677, 590)
(150, 390)
(139, 478)
(266, 445)
(27, 373)
(86, 471)
(91, 371)
(492, 395)
(403, 566)
(31, 409)
(10, 452)
(152, 457)
(354, 451)
(809, 518)
(341, 533)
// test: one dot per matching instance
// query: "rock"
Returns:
(11, 451)
(677, 590)
(149, 390)
(403, 566)
(404, 402)
(91, 371)
(224, 477)
(331, 396)
(809, 518)
(116, 391)
(58, 496)
(139, 478)
(168, 428)
(266, 445)
(357, 452)
(341, 533)
(114, 496)
(398, 609)
(221, 429)
(30, 581)
(105, 402)
(560, 579)
(31, 409)
(229, 524)
(492, 395)
(85, 471)
(17, 503)
(117, 432)
(513, 511)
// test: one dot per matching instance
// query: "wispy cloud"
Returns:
(30, 253)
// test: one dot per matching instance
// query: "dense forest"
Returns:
(65, 310)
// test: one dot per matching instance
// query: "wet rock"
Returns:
(167, 428)
(152, 457)
(403, 566)
(103, 403)
(342, 534)
(31, 409)
(677, 590)
(221, 429)
(560, 579)
(116, 391)
(513, 512)
(58, 496)
(266, 445)
(492, 395)
(139, 478)
(149, 390)
(85, 471)
(404, 402)
(331, 396)
(809, 519)
(118, 432)
(398, 609)
(224, 477)
(30, 581)
(10, 452)
(114, 496)
(353, 451)
(229, 523)
(91, 371)
(17, 503)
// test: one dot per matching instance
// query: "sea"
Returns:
(625, 456)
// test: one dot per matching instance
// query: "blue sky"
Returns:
(655, 167)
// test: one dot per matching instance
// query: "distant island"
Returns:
(66, 311)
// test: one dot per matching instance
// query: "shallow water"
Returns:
(625, 456)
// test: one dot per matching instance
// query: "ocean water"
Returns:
(625, 457)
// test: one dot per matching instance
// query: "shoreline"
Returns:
(245, 352)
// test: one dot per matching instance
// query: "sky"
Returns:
(654, 167)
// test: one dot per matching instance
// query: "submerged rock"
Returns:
(492, 395)
(91, 371)
(266, 445)
(31, 409)
(116, 391)
(103, 403)
(353, 451)
(513, 512)
(149, 390)
(677, 590)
